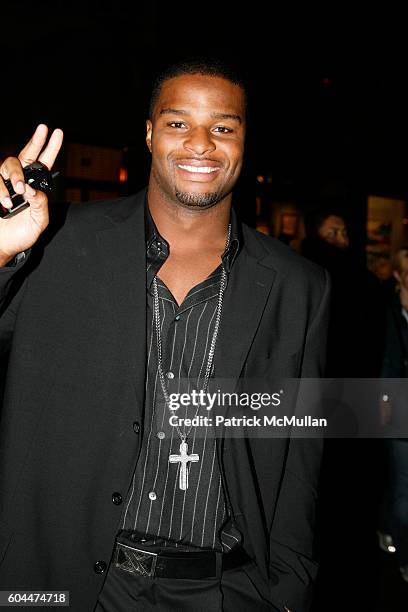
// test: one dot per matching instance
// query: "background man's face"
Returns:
(196, 137)
(333, 230)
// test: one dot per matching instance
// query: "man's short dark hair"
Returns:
(206, 66)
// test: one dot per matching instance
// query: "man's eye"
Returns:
(223, 130)
(176, 124)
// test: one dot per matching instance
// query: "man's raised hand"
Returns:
(21, 231)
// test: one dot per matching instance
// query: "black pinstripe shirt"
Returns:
(156, 506)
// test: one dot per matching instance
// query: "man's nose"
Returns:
(199, 141)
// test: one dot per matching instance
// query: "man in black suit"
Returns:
(104, 315)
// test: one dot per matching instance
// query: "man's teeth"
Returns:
(203, 169)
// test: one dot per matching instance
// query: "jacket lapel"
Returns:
(245, 298)
(121, 244)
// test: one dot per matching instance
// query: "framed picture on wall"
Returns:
(289, 225)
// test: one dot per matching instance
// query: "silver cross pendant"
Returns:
(183, 458)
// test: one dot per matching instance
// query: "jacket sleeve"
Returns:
(292, 564)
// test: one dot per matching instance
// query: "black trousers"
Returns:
(240, 589)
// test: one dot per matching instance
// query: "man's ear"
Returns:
(149, 129)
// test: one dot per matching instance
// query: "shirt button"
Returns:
(170, 375)
(136, 427)
(161, 435)
(177, 318)
(100, 567)
(152, 495)
(117, 499)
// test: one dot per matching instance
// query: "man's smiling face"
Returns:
(196, 137)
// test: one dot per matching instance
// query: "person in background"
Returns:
(356, 306)
(333, 230)
(349, 487)
(393, 532)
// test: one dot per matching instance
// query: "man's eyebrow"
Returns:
(226, 116)
(173, 111)
(176, 111)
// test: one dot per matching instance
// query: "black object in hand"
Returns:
(38, 177)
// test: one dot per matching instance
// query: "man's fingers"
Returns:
(29, 193)
(11, 169)
(34, 146)
(5, 199)
(38, 206)
(51, 151)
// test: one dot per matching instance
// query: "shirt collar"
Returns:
(157, 248)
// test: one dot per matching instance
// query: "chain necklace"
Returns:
(183, 458)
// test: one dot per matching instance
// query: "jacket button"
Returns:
(136, 427)
(117, 499)
(100, 567)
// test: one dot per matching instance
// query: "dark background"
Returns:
(328, 86)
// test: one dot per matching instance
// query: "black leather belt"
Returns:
(171, 564)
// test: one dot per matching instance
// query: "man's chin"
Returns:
(198, 200)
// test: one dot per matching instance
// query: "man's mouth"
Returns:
(199, 169)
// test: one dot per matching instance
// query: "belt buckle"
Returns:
(135, 561)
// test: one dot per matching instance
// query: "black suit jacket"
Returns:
(74, 320)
